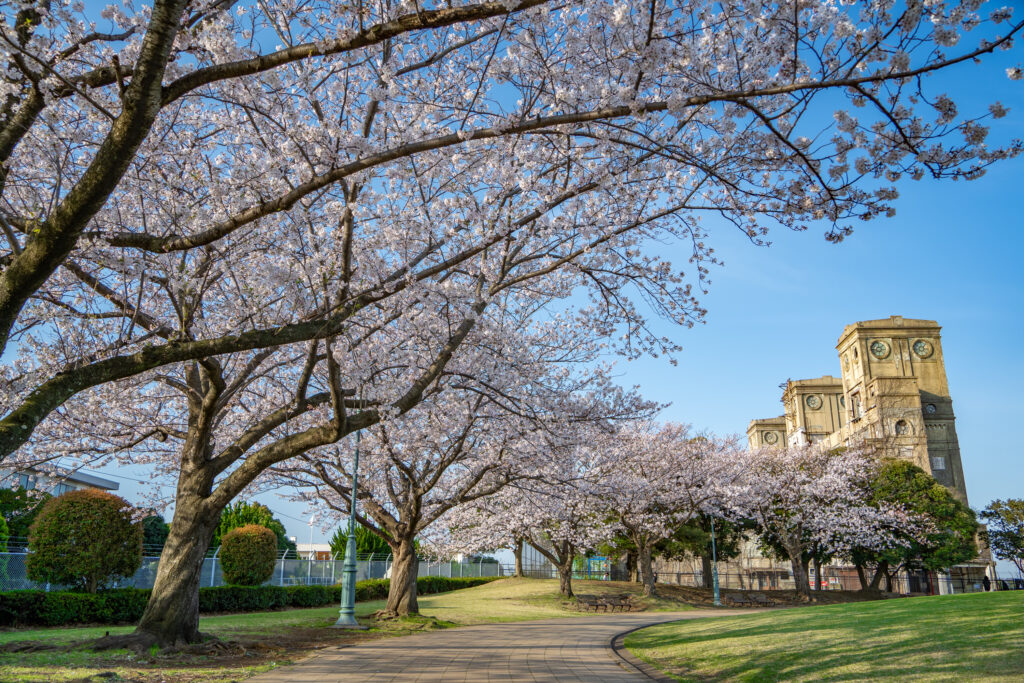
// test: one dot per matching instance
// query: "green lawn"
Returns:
(977, 637)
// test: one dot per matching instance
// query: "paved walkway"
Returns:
(570, 649)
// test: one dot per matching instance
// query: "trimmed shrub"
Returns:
(126, 605)
(85, 540)
(248, 555)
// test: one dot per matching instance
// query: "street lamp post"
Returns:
(714, 566)
(347, 613)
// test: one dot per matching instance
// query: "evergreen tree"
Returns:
(366, 542)
(1005, 533)
(242, 512)
(19, 507)
(953, 525)
(154, 531)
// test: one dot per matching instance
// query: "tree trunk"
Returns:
(519, 557)
(646, 569)
(888, 581)
(705, 570)
(880, 571)
(172, 613)
(404, 571)
(861, 576)
(631, 567)
(565, 577)
(796, 559)
(817, 573)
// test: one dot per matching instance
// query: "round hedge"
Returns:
(84, 539)
(248, 554)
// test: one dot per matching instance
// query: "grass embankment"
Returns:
(262, 640)
(973, 637)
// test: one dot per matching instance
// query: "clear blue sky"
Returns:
(952, 254)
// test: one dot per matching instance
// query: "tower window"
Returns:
(902, 427)
(938, 462)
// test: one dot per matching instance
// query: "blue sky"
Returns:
(952, 254)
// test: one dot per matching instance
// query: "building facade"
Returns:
(55, 485)
(892, 394)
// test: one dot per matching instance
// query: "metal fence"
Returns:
(287, 572)
(904, 584)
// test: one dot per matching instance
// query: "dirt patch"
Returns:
(689, 596)
(214, 661)
(704, 597)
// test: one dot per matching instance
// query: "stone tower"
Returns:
(893, 393)
(897, 395)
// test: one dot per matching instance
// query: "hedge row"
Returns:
(125, 605)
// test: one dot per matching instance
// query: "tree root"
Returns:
(141, 642)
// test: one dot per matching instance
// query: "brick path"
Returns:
(572, 649)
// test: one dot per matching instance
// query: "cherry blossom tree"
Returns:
(458, 448)
(808, 496)
(559, 511)
(655, 478)
(394, 145)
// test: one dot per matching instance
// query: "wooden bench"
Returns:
(623, 602)
(585, 603)
(738, 599)
(762, 599)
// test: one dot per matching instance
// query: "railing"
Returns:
(287, 572)
(773, 579)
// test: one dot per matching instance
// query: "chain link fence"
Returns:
(287, 572)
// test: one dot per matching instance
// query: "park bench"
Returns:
(623, 602)
(762, 599)
(738, 599)
(587, 602)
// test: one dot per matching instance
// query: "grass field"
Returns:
(300, 630)
(977, 637)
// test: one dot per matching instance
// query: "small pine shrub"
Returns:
(85, 540)
(248, 554)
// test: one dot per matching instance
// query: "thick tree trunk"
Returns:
(646, 569)
(880, 571)
(861, 576)
(172, 613)
(404, 572)
(799, 565)
(565, 577)
(705, 571)
(817, 573)
(519, 557)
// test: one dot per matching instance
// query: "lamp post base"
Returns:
(350, 625)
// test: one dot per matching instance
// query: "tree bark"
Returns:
(404, 572)
(705, 569)
(796, 560)
(518, 552)
(861, 576)
(880, 571)
(817, 573)
(172, 613)
(565, 577)
(646, 569)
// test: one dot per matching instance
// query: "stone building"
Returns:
(892, 393)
